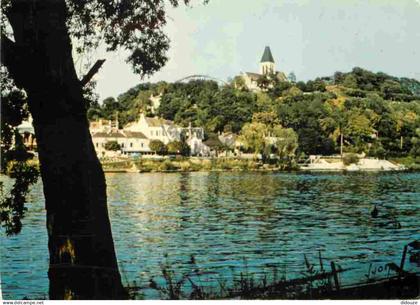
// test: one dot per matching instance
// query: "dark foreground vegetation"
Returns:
(319, 281)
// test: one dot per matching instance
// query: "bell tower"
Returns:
(267, 62)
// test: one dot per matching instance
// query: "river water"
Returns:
(256, 223)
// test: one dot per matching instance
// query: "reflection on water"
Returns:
(225, 218)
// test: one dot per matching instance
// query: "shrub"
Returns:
(112, 145)
(157, 146)
(350, 159)
(166, 166)
(207, 165)
(178, 147)
(185, 166)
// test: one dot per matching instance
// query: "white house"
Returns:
(167, 131)
(198, 148)
(27, 131)
(156, 129)
(131, 143)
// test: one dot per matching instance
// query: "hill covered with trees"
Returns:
(358, 111)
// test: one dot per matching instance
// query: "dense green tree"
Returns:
(112, 146)
(94, 112)
(239, 83)
(350, 81)
(158, 147)
(14, 156)
(178, 147)
(110, 107)
(335, 124)
(415, 140)
(277, 88)
(264, 82)
(270, 119)
(303, 116)
(204, 103)
(264, 102)
(174, 147)
(292, 77)
(390, 89)
(286, 141)
(254, 137)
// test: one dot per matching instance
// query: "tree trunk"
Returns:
(83, 263)
(341, 144)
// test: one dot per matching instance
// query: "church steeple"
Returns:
(267, 56)
(267, 62)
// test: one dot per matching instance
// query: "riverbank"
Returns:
(410, 163)
(230, 164)
(194, 164)
(186, 165)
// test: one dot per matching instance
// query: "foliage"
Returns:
(303, 114)
(415, 140)
(178, 147)
(13, 112)
(269, 119)
(253, 136)
(204, 103)
(292, 77)
(157, 147)
(350, 159)
(136, 26)
(312, 86)
(264, 82)
(112, 145)
(14, 156)
(12, 206)
(286, 141)
(196, 282)
(239, 83)
(389, 87)
(166, 166)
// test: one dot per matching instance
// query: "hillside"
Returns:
(374, 113)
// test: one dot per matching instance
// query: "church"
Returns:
(267, 68)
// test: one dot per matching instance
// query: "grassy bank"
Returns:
(410, 163)
(190, 165)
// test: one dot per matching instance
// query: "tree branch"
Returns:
(93, 70)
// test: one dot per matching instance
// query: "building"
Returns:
(27, 131)
(131, 143)
(135, 137)
(267, 68)
(102, 125)
(156, 129)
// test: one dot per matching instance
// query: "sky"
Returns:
(309, 37)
